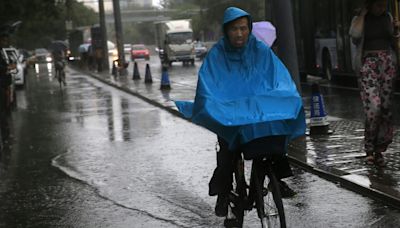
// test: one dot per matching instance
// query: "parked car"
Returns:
(10, 58)
(127, 49)
(18, 74)
(42, 55)
(140, 51)
(200, 49)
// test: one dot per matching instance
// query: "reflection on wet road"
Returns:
(137, 166)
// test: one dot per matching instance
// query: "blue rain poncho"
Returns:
(245, 93)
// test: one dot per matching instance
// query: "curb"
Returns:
(347, 184)
(319, 171)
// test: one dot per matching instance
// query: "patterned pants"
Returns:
(376, 81)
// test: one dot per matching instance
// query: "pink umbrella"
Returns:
(265, 32)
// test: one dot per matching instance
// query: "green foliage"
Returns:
(82, 15)
(43, 20)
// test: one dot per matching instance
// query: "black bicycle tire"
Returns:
(277, 196)
(60, 78)
(256, 187)
(57, 75)
(240, 189)
(63, 76)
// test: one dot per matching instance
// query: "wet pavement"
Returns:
(90, 155)
(338, 157)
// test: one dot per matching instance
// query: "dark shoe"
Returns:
(379, 161)
(370, 160)
(221, 207)
(286, 192)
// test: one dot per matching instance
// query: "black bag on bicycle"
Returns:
(274, 147)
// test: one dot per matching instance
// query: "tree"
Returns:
(43, 21)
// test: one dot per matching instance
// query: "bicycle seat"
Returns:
(273, 147)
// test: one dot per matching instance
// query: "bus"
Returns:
(322, 36)
(323, 43)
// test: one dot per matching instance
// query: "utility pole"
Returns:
(68, 21)
(283, 19)
(119, 36)
(103, 29)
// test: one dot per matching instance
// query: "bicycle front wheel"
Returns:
(269, 203)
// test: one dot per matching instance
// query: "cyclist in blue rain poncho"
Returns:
(244, 94)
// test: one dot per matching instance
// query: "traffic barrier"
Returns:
(319, 124)
(165, 84)
(147, 76)
(136, 74)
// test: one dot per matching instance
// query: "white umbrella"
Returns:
(83, 48)
(110, 45)
(265, 32)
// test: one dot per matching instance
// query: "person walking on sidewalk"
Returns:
(244, 93)
(375, 33)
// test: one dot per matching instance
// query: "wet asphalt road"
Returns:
(92, 156)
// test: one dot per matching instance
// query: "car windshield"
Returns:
(180, 38)
(138, 47)
(41, 51)
(199, 44)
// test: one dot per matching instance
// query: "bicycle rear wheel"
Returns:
(268, 200)
(62, 73)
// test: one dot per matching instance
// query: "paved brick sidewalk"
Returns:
(337, 157)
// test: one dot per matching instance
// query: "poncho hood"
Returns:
(245, 93)
(233, 13)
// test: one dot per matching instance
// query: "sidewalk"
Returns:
(337, 157)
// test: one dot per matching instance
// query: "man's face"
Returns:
(238, 32)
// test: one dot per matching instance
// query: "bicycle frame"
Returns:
(60, 73)
(246, 197)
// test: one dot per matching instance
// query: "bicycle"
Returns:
(244, 197)
(60, 72)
